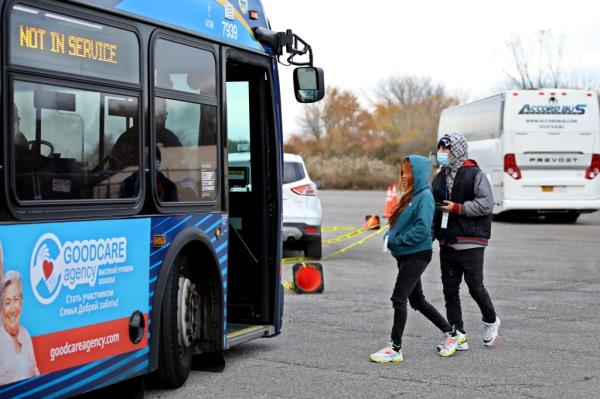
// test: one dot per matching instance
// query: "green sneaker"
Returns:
(387, 355)
(452, 343)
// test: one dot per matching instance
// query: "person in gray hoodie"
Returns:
(463, 224)
(409, 241)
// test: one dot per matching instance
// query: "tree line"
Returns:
(402, 116)
(400, 120)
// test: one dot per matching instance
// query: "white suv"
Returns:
(301, 208)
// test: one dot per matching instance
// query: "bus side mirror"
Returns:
(309, 84)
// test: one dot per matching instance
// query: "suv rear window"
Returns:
(292, 171)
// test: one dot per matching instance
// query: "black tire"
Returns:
(174, 361)
(314, 249)
(563, 217)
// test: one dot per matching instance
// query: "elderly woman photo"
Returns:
(17, 359)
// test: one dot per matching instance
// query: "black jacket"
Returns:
(470, 222)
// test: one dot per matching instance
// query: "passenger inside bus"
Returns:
(23, 158)
(20, 139)
(125, 150)
(165, 188)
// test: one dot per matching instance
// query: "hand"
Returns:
(447, 207)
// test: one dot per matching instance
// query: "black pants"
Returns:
(408, 287)
(455, 264)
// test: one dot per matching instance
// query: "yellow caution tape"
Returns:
(342, 228)
(346, 236)
(297, 260)
(340, 251)
(357, 243)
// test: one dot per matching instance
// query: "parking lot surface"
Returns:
(544, 280)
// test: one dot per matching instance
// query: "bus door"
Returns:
(254, 192)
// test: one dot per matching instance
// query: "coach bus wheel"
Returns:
(180, 324)
(570, 217)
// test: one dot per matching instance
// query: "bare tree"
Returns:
(540, 64)
(406, 114)
(406, 90)
(311, 120)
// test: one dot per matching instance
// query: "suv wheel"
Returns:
(313, 249)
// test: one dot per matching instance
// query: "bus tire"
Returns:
(570, 217)
(175, 358)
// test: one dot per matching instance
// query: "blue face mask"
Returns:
(442, 158)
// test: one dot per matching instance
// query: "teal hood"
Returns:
(421, 170)
(412, 231)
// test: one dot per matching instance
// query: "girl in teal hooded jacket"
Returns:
(409, 240)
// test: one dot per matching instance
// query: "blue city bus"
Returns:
(128, 246)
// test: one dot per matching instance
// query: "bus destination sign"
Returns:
(62, 43)
(37, 38)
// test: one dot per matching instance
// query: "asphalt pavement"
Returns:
(544, 280)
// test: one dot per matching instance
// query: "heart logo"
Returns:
(48, 268)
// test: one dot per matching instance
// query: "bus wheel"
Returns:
(180, 325)
(570, 217)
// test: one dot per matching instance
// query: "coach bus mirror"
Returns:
(309, 84)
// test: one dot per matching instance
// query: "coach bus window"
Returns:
(61, 43)
(184, 68)
(186, 155)
(63, 143)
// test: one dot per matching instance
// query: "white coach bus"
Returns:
(539, 148)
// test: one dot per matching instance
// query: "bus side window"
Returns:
(60, 141)
(185, 123)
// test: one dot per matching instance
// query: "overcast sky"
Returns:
(459, 43)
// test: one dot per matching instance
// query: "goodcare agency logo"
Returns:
(45, 272)
(70, 264)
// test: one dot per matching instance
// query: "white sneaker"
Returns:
(451, 343)
(464, 346)
(459, 348)
(387, 355)
(490, 333)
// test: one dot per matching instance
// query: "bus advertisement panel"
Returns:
(68, 291)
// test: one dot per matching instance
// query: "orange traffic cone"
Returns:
(308, 278)
(371, 222)
(389, 205)
(394, 196)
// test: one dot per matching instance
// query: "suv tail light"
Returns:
(311, 230)
(510, 166)
(306, 189)
(594, 169)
